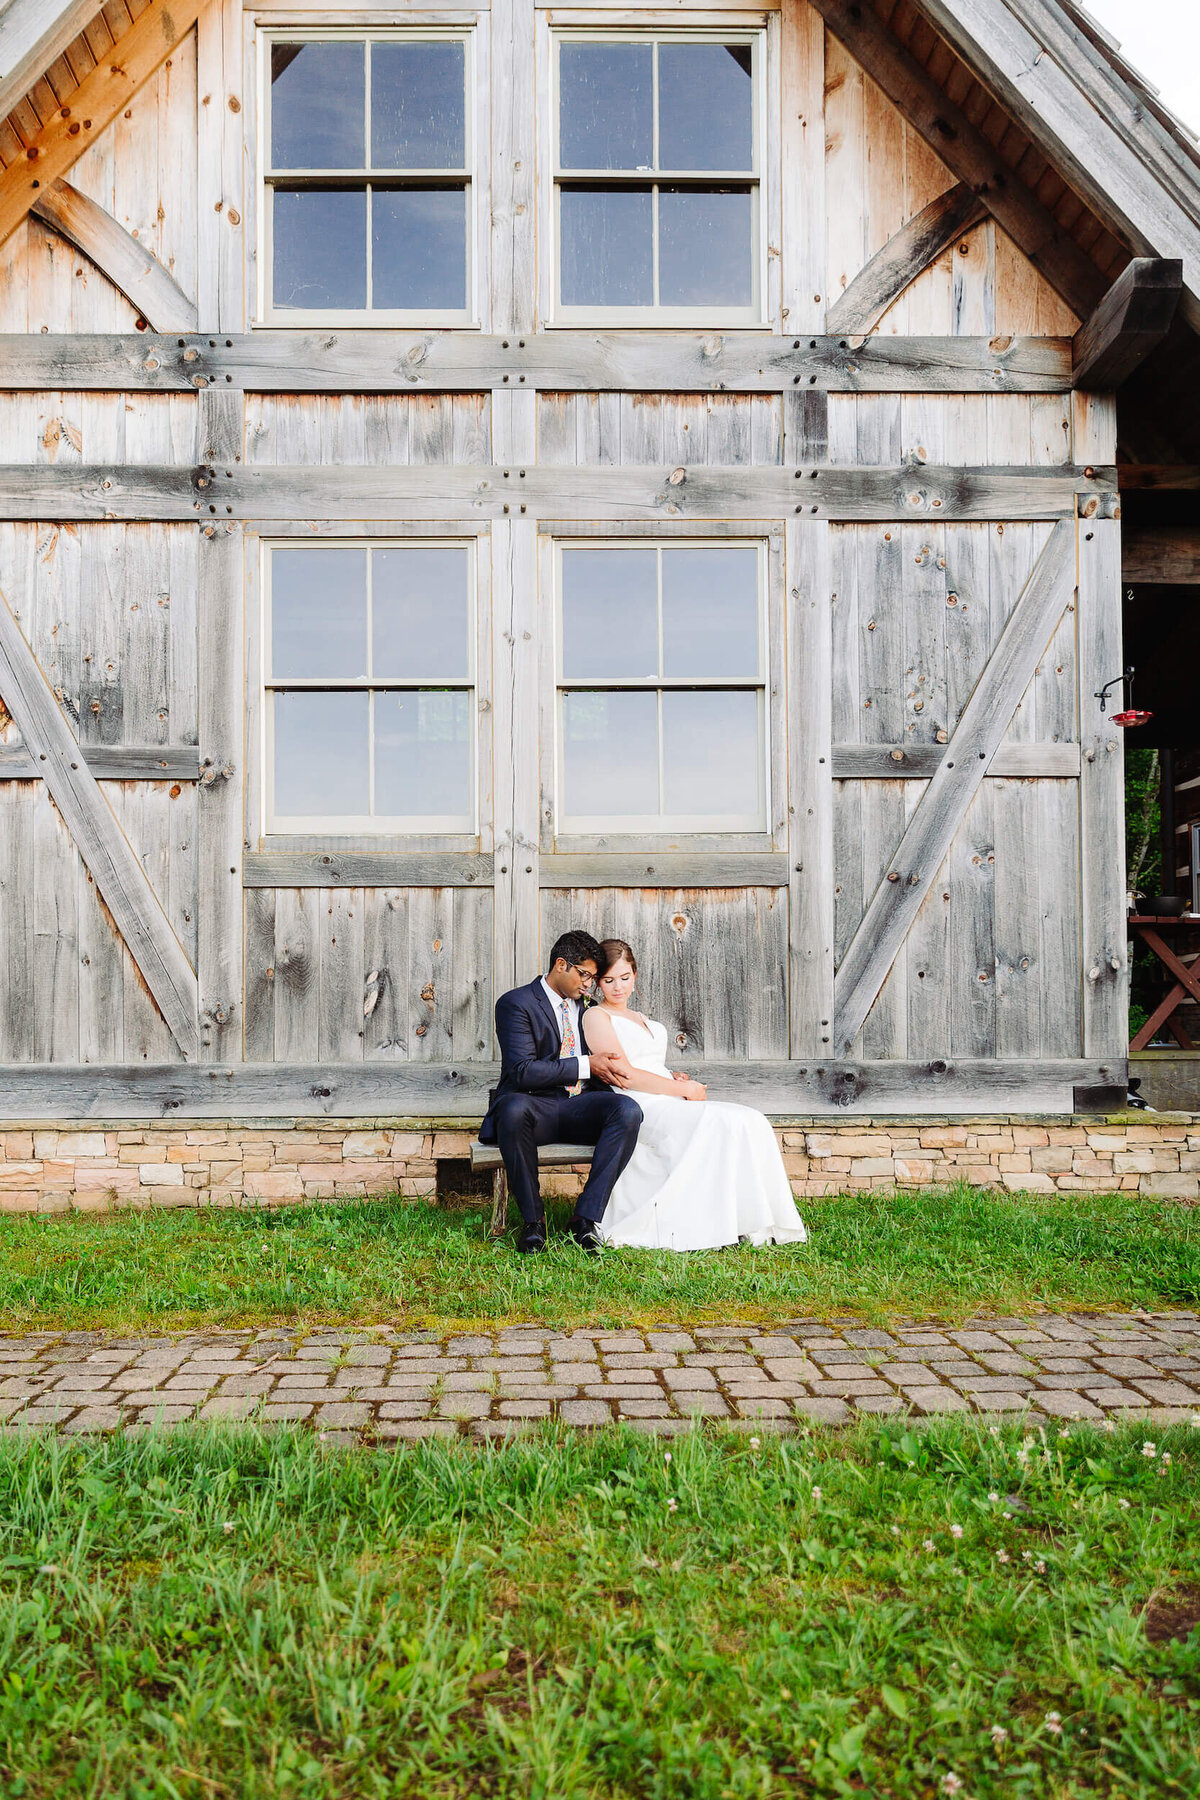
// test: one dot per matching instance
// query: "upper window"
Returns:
(662, 687)
(657, 178)
(369, 687)
(367, 199)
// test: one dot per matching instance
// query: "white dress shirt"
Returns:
(558, 1001)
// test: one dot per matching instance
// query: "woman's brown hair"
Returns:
(611, 951)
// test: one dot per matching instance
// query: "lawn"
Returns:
(946, 1254)
(190, 1614)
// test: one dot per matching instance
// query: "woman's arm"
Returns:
(600, 1036)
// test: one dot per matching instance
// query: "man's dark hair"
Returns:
(574, 947)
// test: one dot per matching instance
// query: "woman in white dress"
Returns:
(704, 1173)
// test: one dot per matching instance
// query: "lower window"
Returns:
(370, 714)
(661, 686)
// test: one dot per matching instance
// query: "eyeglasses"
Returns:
(587, 979)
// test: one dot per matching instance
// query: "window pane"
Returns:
(419, 611)
(318, 97)
(711, 753)
(607, 256)
(318, 613)
(705, 120)
(321, 755)
(610, 754)
(420, 248)
(710, 611)
(320, 248)
(704, 247)
(418, 106)
(423, 755)
(610, 612)
(606, 106)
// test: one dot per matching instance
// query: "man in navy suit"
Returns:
(550, 1092)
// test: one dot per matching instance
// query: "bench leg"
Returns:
(499, 1203)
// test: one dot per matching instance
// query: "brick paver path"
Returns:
(383, 1384)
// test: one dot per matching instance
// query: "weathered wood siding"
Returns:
(711, 961)
(344, 429)
(636, 429)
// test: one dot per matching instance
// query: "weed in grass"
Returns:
(359, 1261)
(568, 1617)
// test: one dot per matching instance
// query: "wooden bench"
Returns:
(486, 1156)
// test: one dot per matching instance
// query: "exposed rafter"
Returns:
(94, 104)
(905, 256)
(33, 33)
(1132, 319)
(128, 265)
(1132, 192)
(965, 151)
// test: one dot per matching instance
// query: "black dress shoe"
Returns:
(585, 1235)
(532, 1237)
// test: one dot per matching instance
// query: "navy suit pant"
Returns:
(611, 1121)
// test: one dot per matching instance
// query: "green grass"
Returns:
(195, 1614)
(363, 1262)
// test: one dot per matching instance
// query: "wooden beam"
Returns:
(34, 34)
(123, 883)
(112, 762)
(908, 762)
(1162, 478)
(118, 255)
(96, 102)
(943, 806)
(1153, 554)
(388, 1093)
(463, 491)
(965, 151)
(666, 869)
(1122, 184)
(365, 868)
(389, 362)
(905, 256)
(1132, 319)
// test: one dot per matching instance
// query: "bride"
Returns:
(703, 1173)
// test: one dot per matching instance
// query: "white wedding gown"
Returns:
(704, 1173)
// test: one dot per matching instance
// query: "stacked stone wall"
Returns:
(52, 1167)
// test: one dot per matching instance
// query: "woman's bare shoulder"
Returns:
(598, 1029)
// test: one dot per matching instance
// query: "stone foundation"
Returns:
(50, 1168)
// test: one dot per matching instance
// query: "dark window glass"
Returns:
(610, 612)
(420, 613)
(705, 117)
(321, 754)
(705, 243)
(607, 252)
(419, 248)
(606, 106)
(317, 106)
(318, 613)
(320, 247)
(418, 106)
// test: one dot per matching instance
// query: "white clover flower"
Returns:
(228, 1527)
(895, 1530)
(998, 1735)
(1027, 1556)
(1002, 1556)
(1039, 1567)
(667, 1456)
(1064, 1433)
(993, 1431)
(1149, 1449)
(1165, 1459)
(994, 1498)
(1123, 1504)
(952, 1783)
(929, 1545)
(956, 1531)
(672, 1504)
(816, 1493)
(1109, 1426)
(1054, 1724)
(756, 1443)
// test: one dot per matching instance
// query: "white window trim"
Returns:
(343, 825)
(570, 825)
(473, 172)
(758, 315)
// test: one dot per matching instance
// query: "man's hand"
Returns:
(678, 1075)
(611, 1067)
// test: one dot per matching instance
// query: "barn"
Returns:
(469, 469)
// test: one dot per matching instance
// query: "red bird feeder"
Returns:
(1132, 715)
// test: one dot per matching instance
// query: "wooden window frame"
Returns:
(658, 835)
(762, 32)
(334, 834)
(468, 29)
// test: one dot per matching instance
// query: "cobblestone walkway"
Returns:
(383, 1384)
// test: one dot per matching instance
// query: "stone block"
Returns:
(1028, 1184)
(83, 1143)
(274, 1184)
(584, 1412)
(929, 1400)
(914, 1171)
(826, 1411)
(1171, 1187)
(1064, 1403)
(464, 1406)
(454, 1144)
(863, 1166)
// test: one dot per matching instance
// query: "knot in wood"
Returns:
(676, 477)
(427, 993)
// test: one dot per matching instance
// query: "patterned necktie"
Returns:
(570, 1046)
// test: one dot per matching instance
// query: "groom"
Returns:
(549, 1092)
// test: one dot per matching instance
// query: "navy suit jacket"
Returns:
(530, 1037)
